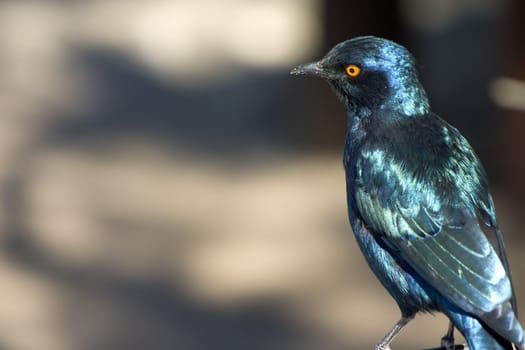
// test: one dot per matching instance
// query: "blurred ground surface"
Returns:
(141, 214)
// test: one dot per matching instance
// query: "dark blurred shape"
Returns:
(230, 119)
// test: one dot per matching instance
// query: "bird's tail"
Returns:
(478, 335)
(495, 330)
(502, 320)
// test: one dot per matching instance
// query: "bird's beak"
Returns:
(313, 68)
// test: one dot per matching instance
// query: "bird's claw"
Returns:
(447, 343)
(382, 346)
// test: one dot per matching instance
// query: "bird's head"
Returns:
(370, 73)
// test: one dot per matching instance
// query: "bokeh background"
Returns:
(165, 184)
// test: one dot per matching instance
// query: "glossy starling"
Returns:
(418, 198)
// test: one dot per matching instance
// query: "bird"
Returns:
(418, 198)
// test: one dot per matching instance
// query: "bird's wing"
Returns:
(487, 215)
(438, 234)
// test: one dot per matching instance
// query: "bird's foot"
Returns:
(447, 343)
(382, 346)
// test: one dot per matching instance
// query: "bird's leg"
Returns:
(447, 342)
(384, 344)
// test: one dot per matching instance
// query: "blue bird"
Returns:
(418, 198)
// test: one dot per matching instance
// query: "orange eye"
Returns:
(352, 70)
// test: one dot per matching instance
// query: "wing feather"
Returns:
(436, 233)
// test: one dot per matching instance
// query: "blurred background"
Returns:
(165, 184)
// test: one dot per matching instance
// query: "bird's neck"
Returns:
(404, 102)
(358, 122)
(409, 100)
(363, 120)
(408, 97)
